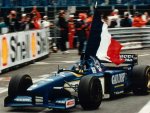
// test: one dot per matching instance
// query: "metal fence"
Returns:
(131, 37)
(9, 3)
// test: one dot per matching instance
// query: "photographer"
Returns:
(12, 21)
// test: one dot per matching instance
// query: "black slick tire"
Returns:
(18, 85)
(90, 92)
(140, 79)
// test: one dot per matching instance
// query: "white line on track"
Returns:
(44, 76)
(68, 61)
(56, 62)
(144, 55)
(43, 63)
(3, 89)
(146, 108)
(40, 63)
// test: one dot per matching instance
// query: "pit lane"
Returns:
(126, 104)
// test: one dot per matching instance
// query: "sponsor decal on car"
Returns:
(93, 69)
(120, 85)
(70, 103)
(129, 57)
(23, 99)
(60, 102)
(118, 78)
(118, 92)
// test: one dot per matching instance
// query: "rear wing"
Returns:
(130, 58)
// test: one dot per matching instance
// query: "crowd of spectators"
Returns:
(79, 26)
(72, 25)
(32, 20)
(127, 20)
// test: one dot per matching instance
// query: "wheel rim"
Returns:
(148, 75)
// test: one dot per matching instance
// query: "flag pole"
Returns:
(96, 4)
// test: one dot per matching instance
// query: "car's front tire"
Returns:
(90, 92)
(18, 85)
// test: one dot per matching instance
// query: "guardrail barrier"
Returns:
(132, 37)
(22, 47)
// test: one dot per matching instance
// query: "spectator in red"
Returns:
(80, 32)
(71, 31)
(83, 16)
(36, 12)
(138, 21)
(36, 22)
(36, 18)
(88, 22)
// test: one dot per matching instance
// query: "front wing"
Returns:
(28, 101)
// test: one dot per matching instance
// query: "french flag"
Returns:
(100, 43)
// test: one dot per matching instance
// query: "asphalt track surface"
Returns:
(125, 104)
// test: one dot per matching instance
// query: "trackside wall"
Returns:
(21, 47)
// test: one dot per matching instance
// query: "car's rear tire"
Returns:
(141, 79)
(18, 85)
(90, 92)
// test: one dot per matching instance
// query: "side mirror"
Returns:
(60, 70)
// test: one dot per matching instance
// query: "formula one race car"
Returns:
(85, 83)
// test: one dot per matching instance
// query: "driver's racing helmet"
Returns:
(79, 66)
(83, 65)
(94, 62)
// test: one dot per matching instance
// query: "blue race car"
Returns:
(85, 83)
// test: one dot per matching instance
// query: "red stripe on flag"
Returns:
(114, 52)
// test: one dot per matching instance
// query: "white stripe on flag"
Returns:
(104, 44)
